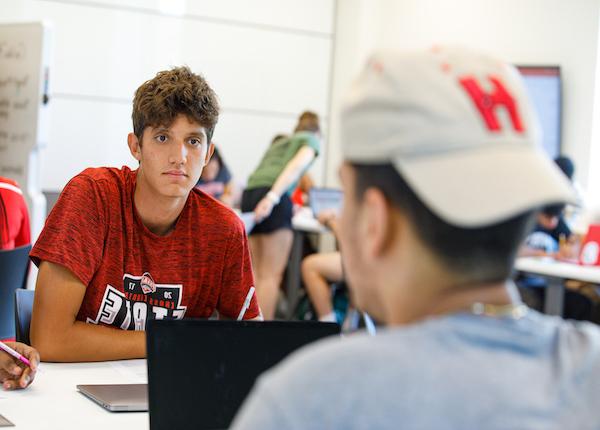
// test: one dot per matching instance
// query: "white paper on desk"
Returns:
(133, 371)
(307, 223)
(248, 220)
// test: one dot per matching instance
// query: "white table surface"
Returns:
(555, 273)
(53, 402)
(546, 266)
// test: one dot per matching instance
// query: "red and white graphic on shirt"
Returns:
(487, 103)
(131, 309)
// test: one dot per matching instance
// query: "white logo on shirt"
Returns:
(130, 309)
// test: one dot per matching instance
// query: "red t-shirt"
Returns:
(14, 219)
(133, 275)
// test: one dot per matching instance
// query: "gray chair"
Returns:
(14, 265)
(23, 307)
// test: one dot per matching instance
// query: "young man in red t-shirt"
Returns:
(122, 247)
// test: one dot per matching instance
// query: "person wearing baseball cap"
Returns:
(443, 174)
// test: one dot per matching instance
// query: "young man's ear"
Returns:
(378, 223)
(134, 146)
(209, 152)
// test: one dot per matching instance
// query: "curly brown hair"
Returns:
(173, 92)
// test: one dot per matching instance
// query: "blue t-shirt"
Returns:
(216, 187)
(454, 372)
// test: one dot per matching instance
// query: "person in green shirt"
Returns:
(267, 195)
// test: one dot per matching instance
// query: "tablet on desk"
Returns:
(118, 397)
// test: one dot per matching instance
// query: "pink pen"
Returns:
(14, 353)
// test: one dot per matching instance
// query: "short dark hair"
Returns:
(565, 164)
(481, 254)
(173, 92)
(553, 210)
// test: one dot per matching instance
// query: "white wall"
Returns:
(532, 32)
(268, 60)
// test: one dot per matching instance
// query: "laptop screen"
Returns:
(200, 371)
(325, 198)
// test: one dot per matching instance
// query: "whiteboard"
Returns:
(24, 71)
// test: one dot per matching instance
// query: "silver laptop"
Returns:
(118, 397)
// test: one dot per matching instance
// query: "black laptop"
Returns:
(200, 371)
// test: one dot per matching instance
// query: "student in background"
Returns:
(13, 373)
(14, 219)
(320, 270)
(14, 233)
(121, 247)
(267, 195)
(574, 216)
(439, 148)
(216, 180)
(552, 235)
(549, 233)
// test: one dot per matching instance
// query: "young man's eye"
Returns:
(161, 138)
(195, 142)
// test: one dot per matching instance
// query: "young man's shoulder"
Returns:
(547, 339)
(213, 212)
(110, 174)
(305, 138)
(331, 362)
(110, 182)
(101, 177)
(389, 374)
(336, 372)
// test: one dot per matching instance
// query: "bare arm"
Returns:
(328, 218)
(57, 335)
(526, 251)
(293, 169)
(227, 196)
(287, 177)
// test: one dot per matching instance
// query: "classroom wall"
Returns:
(533, 32)
(268, 60)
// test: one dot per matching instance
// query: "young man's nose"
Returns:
(178, 153)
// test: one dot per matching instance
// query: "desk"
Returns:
(53, 402)
(303, 222)
(555, 272)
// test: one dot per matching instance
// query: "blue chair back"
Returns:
(14, 265)
(23, 307)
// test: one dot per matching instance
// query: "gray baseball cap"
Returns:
(460, 129)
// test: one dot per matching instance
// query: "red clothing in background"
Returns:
(14, 219)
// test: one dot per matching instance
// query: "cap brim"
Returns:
(478, 188)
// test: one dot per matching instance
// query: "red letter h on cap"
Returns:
(487, 103)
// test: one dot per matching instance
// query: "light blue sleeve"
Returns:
(261, 411)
